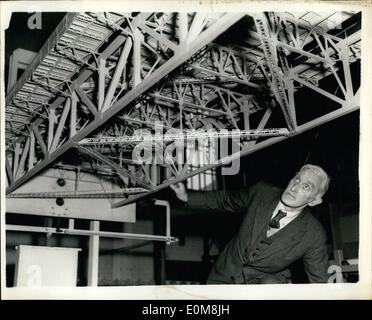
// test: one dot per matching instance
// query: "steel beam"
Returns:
(82, 232)
(251, 70)
(113, 165)
(204, 38)
(25, 151)
(61, 125)
(272, 61)
(117, 74)
(245, 151)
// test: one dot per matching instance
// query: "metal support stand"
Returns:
(94, 236)
(93, 257)
(159, 248)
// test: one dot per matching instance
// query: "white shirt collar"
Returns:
(285, 220)
(281, 207)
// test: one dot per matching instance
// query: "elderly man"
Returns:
(278, 229)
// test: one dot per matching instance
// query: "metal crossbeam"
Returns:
(166, 68)
(122, 193)
(244, 152)
(113, 165)
(272, 61)
(254, 134)
(193, 46)
(82, 232)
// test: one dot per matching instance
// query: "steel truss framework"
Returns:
(111, 74)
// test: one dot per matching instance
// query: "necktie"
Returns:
(274, 223)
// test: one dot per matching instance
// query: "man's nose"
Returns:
(294, 187)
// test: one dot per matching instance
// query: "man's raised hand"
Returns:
(180, 191)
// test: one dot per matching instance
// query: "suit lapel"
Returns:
(288, 236)
(292, 232)
(263, 216)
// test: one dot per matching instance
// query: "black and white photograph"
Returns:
(181, 148)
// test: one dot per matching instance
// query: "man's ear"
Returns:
(315, 202)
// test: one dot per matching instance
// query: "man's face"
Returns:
(302, 190)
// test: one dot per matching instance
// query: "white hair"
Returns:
(324, 177)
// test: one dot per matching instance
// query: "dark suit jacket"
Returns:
(303, 238)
